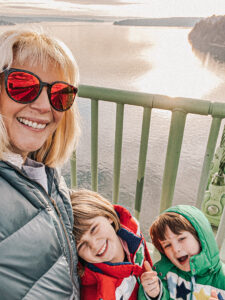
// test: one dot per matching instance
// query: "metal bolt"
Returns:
(213, 210)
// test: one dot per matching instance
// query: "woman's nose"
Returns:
(42, 102)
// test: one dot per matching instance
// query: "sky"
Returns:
(119, 8)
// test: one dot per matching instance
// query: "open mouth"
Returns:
(102, 250)
(34, 125)
(183, 259)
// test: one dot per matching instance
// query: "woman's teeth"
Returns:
(102, 250)
(31, 124)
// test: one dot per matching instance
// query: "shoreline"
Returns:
(13, 20)
(39, 18)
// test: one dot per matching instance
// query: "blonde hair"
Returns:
(37, 48)
(176, 223)
(86, 205)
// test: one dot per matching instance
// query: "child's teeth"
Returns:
(102, 250)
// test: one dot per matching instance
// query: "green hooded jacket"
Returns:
(207, 271)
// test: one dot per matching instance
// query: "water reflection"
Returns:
(208, 61)
(216, 67)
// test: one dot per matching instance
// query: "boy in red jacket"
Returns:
(110, 246)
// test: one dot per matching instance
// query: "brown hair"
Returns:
(176, 223)
(86, 205)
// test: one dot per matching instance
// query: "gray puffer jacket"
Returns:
(37, 252)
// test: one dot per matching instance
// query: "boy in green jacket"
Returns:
(190, 266)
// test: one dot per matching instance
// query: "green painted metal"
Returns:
(214, 198)
(217, 158)
(118, 151)
(189, 105)
(142, 160)
(180, 107)
(213, 135)
(172, 157)
(73, 166)
(94, 145)
(220, 232)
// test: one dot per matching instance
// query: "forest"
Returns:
(208, 36)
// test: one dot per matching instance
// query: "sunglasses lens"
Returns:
(62, 96)
(22, 87)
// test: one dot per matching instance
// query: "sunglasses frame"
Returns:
(42, 84)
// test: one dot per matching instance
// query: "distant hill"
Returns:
(208, 36)
(176, 21)
(4, 22)
(12, 20)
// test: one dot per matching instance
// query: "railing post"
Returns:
(220, 232)
(172, 157)
(118, 151)
(142, 160)
(94, 145)
(212, 139)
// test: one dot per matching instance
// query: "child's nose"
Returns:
(93, 244)
(176, 247)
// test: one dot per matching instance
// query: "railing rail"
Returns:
(179, 107)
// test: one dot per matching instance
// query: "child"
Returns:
(190, 267)
(110, 247)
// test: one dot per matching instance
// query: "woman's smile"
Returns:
(36, 121)
(33, 124)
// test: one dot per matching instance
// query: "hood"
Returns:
(208, 260)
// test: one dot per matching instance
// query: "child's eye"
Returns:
(80, 247)
(182, 238)
(93, 229)
(167, 246)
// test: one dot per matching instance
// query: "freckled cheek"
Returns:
(171, 254)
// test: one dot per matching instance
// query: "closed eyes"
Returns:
(93, 229)
(79, 247)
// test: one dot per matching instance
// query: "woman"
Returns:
(38, 130)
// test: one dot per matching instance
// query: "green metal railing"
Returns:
(179, 107)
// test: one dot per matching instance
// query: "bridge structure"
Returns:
(180, 107)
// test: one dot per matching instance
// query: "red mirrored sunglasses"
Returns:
(24, 87)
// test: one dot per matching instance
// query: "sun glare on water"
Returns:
(174, 68)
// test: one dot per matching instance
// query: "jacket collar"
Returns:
(13, 158)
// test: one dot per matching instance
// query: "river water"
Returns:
(146, 59)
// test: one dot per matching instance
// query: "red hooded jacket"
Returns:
(116, 281)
